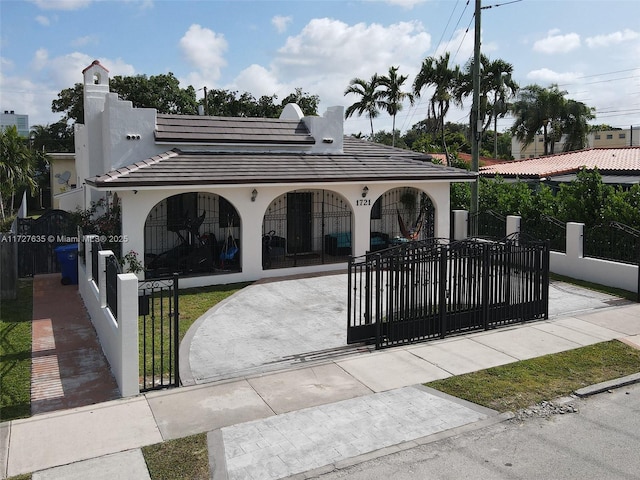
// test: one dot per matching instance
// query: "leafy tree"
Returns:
(161, 92)
(308, 103)
(583, 199)
(623, 205)
(70, 101)
(437, 73)
(393, 96)
(370, 98)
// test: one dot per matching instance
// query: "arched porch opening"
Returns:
(401, 215)
(306, 227)
(192, 233)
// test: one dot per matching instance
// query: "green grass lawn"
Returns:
(185, 458)
(522, 384)
(15, 354)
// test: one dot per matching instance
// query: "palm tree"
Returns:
(394, 96)
(370, 98)
(436, 72)
(537, 109)
(16, 166)
(575, 125)
(496, 89)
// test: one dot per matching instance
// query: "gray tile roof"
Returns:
(198, 129)
(361, 161)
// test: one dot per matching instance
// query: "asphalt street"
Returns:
(601, 440)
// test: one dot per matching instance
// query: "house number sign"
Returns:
(363, 202)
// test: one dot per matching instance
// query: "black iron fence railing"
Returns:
(548, 228)
(488, 224)
(431, 289)
(113, 268)
(95, 248)
(612, 241)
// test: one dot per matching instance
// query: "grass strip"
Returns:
(15, 353)
(522, 384)
(184, 458)
(617, 292)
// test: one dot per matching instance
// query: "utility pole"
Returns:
(206, 105)
(476, 127)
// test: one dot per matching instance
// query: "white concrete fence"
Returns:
(118, 336)
(573, 263)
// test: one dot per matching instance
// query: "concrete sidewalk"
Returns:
(354, 406)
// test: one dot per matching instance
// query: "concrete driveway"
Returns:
(278, 324)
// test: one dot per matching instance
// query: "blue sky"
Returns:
(590, 48)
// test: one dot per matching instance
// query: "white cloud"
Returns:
(556, 43)
(40, 59)
(612, 38)
(82, 41)
(407, 4)
(62, 4)
(326, 54)
(204, 49)
(549, 76)
(281, 23)
(42, 20)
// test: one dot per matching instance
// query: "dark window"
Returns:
(228, 214)
(621, 135)
(597, 136)
(609, 136)
(179, 209)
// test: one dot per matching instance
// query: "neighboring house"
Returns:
(599, 139)
(10, 118)
(62, 175)
(199, 193)
(618, 166)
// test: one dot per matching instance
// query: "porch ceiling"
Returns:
(361, 161)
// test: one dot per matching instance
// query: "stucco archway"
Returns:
(192, 233)
(307, 227)
(409, 204)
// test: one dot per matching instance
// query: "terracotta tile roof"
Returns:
(236, 130)
(618, 160)
(361, 161)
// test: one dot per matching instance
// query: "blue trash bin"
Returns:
(68, 260)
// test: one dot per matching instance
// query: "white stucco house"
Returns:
(198, 193)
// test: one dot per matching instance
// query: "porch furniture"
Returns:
(337, 244)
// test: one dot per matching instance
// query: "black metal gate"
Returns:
(431, 288)
(158, 311)
(37, 239)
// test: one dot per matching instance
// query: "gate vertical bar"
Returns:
(443, 291)
(176, 331)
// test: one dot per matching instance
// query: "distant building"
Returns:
(10, 118)
(600, 139)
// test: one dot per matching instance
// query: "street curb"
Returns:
(609, 385)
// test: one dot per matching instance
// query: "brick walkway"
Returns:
(68, 367)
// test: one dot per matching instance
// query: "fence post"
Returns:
(460, 224)
(513, 227)
(102, 276)
(127, 285)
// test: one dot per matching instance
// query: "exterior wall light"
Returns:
(254, 194)
(365, 190)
